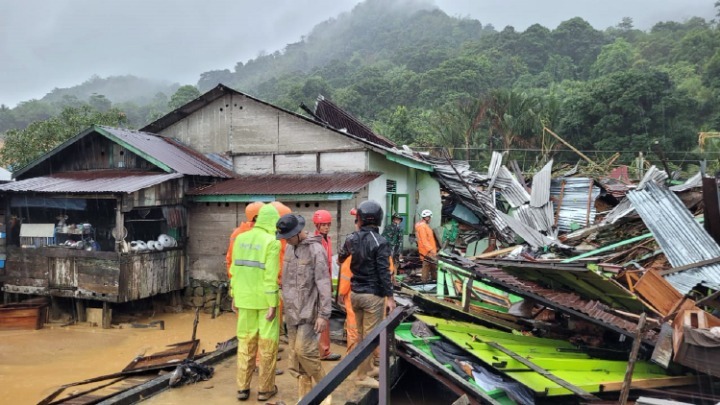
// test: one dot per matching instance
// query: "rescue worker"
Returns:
(344, 297)
(282, 209)
(251, 211)
(254, 269)
(393, 232)
(308, 300)
(371, 289)
(426, 246)
(322, 220)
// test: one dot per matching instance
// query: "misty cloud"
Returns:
(61, 43)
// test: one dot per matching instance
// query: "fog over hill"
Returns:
(62, 43)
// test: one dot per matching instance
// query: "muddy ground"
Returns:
(33, 364)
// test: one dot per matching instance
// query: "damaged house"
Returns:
(327, 160)
(102, 218)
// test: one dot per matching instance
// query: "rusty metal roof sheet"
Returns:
(568, 302)
(271, 184)
(586, 282)
(95, 181)
(172, 153)
(339, 119)
(562, 301)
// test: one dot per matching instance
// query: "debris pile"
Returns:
(589, 261)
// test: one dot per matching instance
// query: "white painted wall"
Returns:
(333, 162)
(296, 163)
(253, 164)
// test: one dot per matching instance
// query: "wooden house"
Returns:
(308, 162)
(81, 210)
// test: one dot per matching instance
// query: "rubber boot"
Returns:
(304, 386)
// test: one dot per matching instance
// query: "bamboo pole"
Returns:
(564, 142)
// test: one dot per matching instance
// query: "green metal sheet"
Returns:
(409, 162)
(403, 332)
(559, 357)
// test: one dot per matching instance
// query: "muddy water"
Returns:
(33, 364)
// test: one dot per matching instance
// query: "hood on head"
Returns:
(267, 218)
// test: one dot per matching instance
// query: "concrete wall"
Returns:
(211, 225)
(239, 124)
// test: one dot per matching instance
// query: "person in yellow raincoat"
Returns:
(251, 211)
(254, 269)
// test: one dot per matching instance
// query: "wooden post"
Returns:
(631, 362)
(119, 224)
(80, 310)
(467, 293)
(106, 315)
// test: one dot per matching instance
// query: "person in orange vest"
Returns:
(251, 212)
(426, 246)
(322, 220)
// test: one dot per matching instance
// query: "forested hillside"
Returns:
(426, 79)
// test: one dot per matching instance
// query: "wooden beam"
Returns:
(690, 266)
(545, 373)
(564, 142)
(631, 362)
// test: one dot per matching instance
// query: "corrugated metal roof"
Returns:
(540, 193)
(683, 240)
(569, 302)
(576, 198)
(693, 182)
(511, 189)
(172, 153)
(339, 119)
(96, 181)
(653, 174)
(271, 184)
(579, 279)
(494, 168)
(481, 203)
(530, 235)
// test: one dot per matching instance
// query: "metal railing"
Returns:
(381, 335)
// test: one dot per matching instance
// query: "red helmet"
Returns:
(322, 217)
(353, 212)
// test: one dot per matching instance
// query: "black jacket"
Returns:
(370, 261)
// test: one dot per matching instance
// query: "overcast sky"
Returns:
(60, 43)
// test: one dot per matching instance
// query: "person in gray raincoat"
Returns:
(308, 303)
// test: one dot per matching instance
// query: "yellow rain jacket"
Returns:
(255, 263)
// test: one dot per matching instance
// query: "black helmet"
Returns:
(289, 225)
(370, 213)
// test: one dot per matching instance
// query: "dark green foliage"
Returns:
(23, 146)
(423, 78)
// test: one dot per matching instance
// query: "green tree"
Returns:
(614, 57)
(22, 146)
(182, 96)
(99, 102)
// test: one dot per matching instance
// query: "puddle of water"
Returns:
(33, 364)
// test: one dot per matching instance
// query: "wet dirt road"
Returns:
(33, 364)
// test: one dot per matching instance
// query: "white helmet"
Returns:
(426, 213)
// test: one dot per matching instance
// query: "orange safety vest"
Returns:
(244, 227)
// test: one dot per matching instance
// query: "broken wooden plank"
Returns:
(631, 362)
